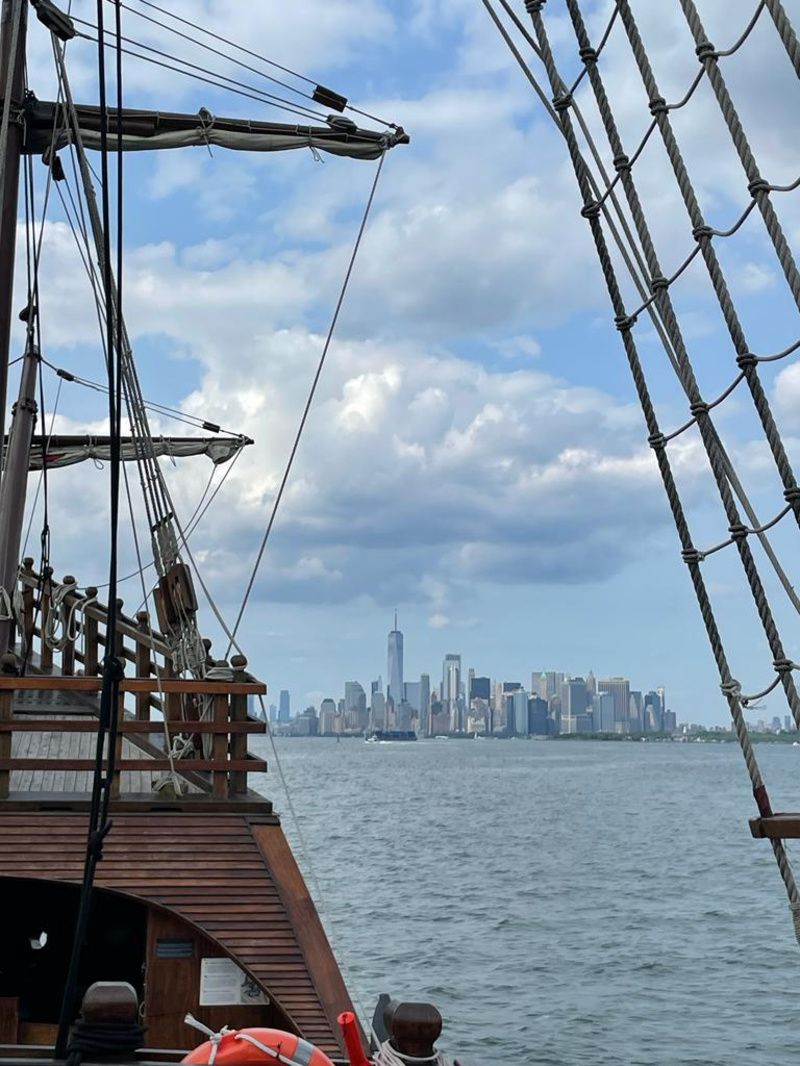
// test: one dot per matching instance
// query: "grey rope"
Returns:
(786, 32)
(729, 686)
(758, 187)
(699, 409)
(702, 233)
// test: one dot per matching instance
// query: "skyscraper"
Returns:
(573, 704)
(395, 663)
(284, 710)
(451, 690)
(620, 689)
(355, 699)
(480, 688)
(425, 704)
(519, 704)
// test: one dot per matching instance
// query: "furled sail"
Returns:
(67, 450)
(148, 130)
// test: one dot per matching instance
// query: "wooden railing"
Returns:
(138, 640)
(154, 703)
(228, 724)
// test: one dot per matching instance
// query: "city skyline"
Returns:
(465, 702)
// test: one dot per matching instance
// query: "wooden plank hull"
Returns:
(226, 882)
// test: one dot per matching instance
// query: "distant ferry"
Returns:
(382, 736)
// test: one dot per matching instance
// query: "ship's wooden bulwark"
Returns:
(232, 877)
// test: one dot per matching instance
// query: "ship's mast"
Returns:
(13, 25)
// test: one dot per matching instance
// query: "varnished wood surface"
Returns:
(776, 827)
(303, 914)
(131, 684)
(86, 722)
(236, 880)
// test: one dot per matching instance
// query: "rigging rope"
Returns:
(658, 300)
(310, 399)
(208, 76)
(245, 51)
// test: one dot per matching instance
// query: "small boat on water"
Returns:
(391, 736)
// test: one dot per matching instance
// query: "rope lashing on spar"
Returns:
(656, 301)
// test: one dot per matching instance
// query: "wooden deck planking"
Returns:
(71, 746)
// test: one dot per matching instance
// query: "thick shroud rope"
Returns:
(659, 303)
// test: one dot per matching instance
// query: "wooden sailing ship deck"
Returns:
(196, 867)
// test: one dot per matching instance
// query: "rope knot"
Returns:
(702, 233)
(691, 556)
(624, 323)
(698, 408)
(792, 495)
(622, 163)
(738, 532)
(658, 106)
(533, 7)
(591, 210)
(783, 666)
(705, 50)
(657, 442)
(562, 102)
(746, 360)
(659, 284)
(731, 689)
(95, 845)
(588, 54)
(757, 186)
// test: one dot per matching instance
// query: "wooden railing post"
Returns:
(91, 655)
(143, 664)
(8, 665)
(68, 651)
(27, 605)
(219, 778)
(173, 701)
(238, 742)
(46, 653)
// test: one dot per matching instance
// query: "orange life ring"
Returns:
(235, 1047)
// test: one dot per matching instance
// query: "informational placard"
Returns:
(223, 984)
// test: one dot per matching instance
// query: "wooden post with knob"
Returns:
(143, 665)
(91, 656)
(220, 711)
(238, 741)
(413, 1029)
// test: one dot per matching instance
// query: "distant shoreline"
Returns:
(710, 736)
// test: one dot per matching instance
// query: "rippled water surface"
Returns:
(570, 903)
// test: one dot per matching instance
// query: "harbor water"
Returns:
(563, 903)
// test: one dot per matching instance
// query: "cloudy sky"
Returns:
(475, 456)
